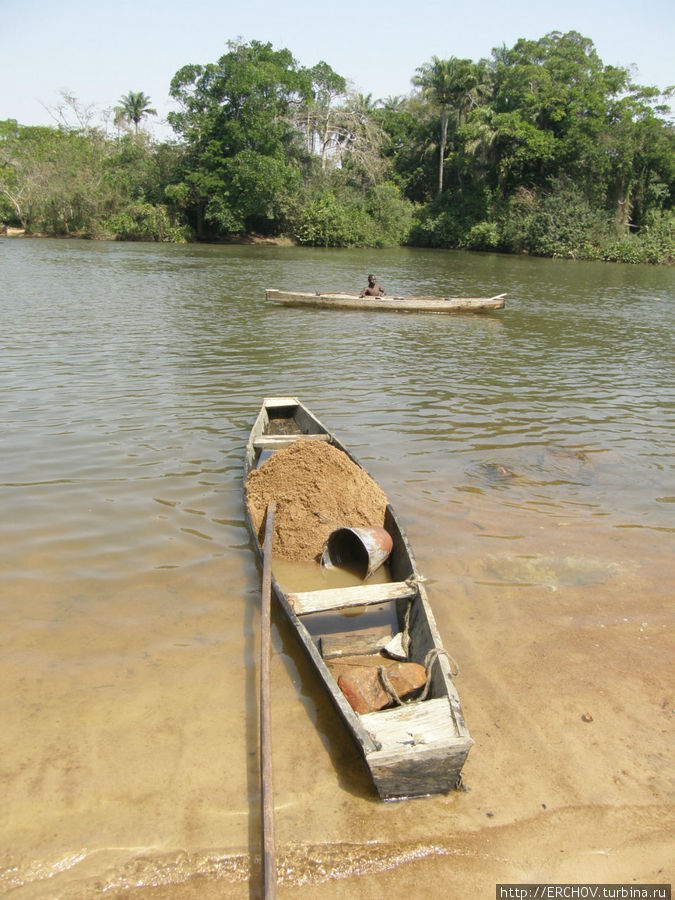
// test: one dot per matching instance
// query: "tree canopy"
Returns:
(243, 152)
(540, 148)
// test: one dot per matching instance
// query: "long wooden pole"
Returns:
(269, 864)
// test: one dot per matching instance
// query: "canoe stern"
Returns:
(422, 749)
(423, 774)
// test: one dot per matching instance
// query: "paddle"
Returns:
(269, 865)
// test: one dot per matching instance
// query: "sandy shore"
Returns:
(132, 763)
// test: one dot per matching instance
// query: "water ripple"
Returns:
(127, 367)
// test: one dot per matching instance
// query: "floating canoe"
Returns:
(386, 304)
(411, 748)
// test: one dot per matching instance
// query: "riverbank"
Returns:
(621, 253)
(242, 240)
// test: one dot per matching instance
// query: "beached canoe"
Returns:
(386, 304)
(413, 748)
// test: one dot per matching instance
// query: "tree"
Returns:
(641, 161)
(54, 179)
(71, 114)
(237, 119)
(450, 84)
(321, 87)
(435, 80)
(409, 134)
(359, 141)
(133, 108)
(57, 181)
(561, 113)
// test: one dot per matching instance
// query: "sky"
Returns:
(99, 51)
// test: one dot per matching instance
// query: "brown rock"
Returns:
(365, 691)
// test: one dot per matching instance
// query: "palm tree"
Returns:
(435, 79)
(480, 141)
(393, 104)
(449, 84)
(133, 108)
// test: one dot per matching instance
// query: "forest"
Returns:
(540, 149)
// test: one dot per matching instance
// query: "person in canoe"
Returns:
(373, 289)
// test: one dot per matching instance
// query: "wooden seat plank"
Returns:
(399, 728)
(273, 402)
(343, 598)
(355, 643)
(274, 441)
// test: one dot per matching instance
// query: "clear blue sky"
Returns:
(101, 50)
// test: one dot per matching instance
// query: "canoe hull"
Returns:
(385, 304)
(413, 750)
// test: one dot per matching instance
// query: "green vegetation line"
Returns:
(540, 149)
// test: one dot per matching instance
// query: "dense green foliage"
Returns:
(540, 149)
(61, 182)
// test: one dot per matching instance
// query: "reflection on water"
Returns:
(527, 451)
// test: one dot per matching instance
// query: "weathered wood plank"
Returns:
(343, 598)
(355, 643)
(274, 441)
(425, 770)
(402, 727)
(271, 402)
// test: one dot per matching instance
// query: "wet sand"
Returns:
(131, 708)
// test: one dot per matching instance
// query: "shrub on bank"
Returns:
(557, 223)
(450, 220)
(326, 222)
(657, 239)
(380, 218)
(145, 222)
(483, 236)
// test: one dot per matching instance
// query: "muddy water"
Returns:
(529, 454)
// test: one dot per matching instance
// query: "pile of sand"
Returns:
(317, 489)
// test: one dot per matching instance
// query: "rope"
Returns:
(388, 686)
(405, 636)
(431, 657)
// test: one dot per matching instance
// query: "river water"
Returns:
(529, 454)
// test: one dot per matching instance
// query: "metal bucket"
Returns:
(361, 550)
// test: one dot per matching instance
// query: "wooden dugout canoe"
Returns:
(385, 304)
(411, 750)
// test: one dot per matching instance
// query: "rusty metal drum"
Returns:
(361, 550)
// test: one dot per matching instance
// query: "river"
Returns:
(529, 454)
